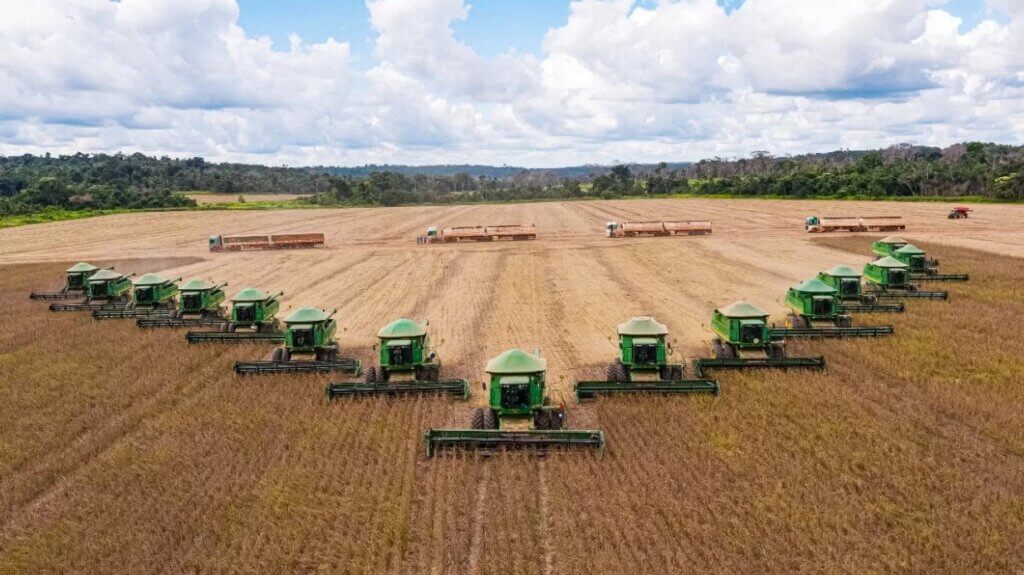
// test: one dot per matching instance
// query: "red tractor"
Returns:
(959, 213)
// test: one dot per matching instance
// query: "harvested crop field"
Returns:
(125, 450)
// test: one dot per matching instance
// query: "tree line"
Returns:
(107, 181)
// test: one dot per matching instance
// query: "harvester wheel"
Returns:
(223, 327)
(556, 419)
(677, 372)
(477, 419)
(776, 351)
(621, 374)
(722, 350)
(490, 419)
(371, 376)
(542, 420)
(277, 354)
(844, 321)
(285, 354)
(231, 327)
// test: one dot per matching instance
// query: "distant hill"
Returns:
(491, 172)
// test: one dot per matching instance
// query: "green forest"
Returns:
(102, 182)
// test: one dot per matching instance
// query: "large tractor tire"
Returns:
(285, 354)
(776, 351)
(671, 372)
(617, 372)
(329, 353)
(722, 350)
(490, 419)
(476, 421)
(371, 376)
(232, 327)
(223, 327)
(277, 354)
(556, 419)
(844, 321)
(542, 420)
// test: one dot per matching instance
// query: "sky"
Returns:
(534, 83)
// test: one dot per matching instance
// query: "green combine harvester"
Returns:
(744, 340)
(887, 245)
(308, 332)
(154, 296)
(104, 290)
(922, 268)
(642, 365)
(518, 414)
(253, 318)
(815, 313)
(852, 299)
(199, 305)
(407, 366)
(75, 282)
(889, 278)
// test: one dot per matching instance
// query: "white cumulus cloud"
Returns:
(618, 80)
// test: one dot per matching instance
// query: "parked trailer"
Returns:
(814, 224)
(658, 228)
(268, 242)
(513, 232)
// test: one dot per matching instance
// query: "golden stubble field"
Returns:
(129, 451)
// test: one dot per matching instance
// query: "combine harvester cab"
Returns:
(518, 414)
(852, 299)
(198, 305)
(658, 228)
(815, 307)
(407, 366)
(642, 366)
(253, 318)
(105, 290)
(75, 282)
(825, 224)
(512, 232)
(309, 332)
(888, 277)
(922, 268)
(154, 296)
(744, 341)
(267, 242)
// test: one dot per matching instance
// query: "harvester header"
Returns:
(407, 366)
(744, 340)
(852, 299)
(658, 228)
(154, 296)
(512, 232)
(814, 307)
(309, 332)
(823, 224)
(75, 283)
(888, 277)
(199, 304)
(519, 413)
(642, 365)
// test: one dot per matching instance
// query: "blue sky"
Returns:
(493, 26)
